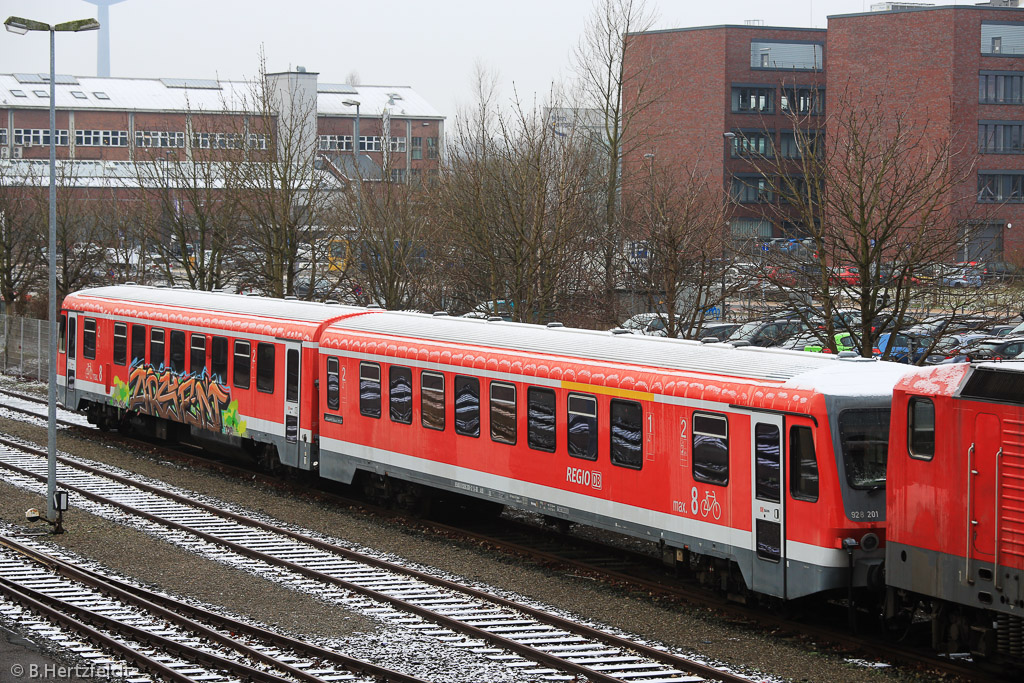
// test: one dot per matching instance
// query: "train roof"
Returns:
(799, 369)
(1000, 381)
(124, 300)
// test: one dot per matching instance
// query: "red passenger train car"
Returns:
(956, 504)
(220, 366)
(762, 468)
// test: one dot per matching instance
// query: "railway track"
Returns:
(500, 629)
(162, 637)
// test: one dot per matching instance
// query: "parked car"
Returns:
(812, 342)
(936, 325)
(996, 270)
(988, 348)
(844, 275)
(719, 331)
(766, 332)
(905, 348)
(948, 349)
(645, 323)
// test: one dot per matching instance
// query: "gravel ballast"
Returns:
(157, 563)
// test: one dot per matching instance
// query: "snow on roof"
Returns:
(823, 371)
(179, 95)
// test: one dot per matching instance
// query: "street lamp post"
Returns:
(355, 158)
(22, 26)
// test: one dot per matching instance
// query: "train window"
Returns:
(864, 438)
(156, 348)
(265, 367)
(400, 394)
(767, 484)
(242, 364)
(197, 355)
(177, 351)
(120, 344)
(72, 338)
(369, 389)
(540, 419)
(921, 428)
(627, 422)
(432, 400)
(291, 375)
(503, 413)
(803, 464)
(711, 448)
(89, 338)
(582, 426)
(467, 406)
(62, 328)
(138, 345)
(219, 360)
(333, 384)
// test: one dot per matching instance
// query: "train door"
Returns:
(293, 359)
(769, 523)
(72, 347)
(982, 455)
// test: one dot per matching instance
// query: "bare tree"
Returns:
(875, 200)
(21, 236)
(679, 221)
(611, 99)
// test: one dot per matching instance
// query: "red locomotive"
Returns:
(956, 504)
(762, 469)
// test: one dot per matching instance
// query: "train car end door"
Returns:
(768, 509)
(293, 453)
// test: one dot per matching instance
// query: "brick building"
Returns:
(958, 70)
(136, 120)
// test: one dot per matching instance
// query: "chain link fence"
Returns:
(24, 347)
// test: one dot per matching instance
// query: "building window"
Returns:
(751, 190)
(257, 141)
(582, 426)
(79, 95)
(467, 406)
(369, 389)
(265, 366)
(750, 228)
(3, 137)
(400, 394)
(19, 93)
(101, 138)
(120, 344)
(339, 143)
(38, 137)
(786, 56)
(41, 93)
(752, 144)
(1000, 87)
(540, 419)
(753, 100)
(417, 148)
(921, 428)
(431, 148)
(711, 448)
(369, 143)
(217, 140)
(432, 400)
(156, 348)
(397, 145)
(803, 464)
(503, 413)
(159, 139)
(802, 101)
(398, 175)
(994, 188)
(100, 95)
(626, 433)
(1000, 137)
(793, 145)
(1002, 38)
(241, 365)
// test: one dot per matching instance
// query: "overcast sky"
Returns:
(430, 46)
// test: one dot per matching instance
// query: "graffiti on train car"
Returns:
(197, 400)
